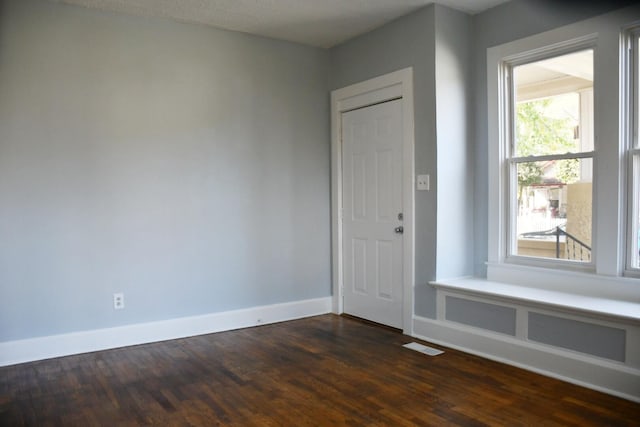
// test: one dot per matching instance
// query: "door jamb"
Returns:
(398, 84)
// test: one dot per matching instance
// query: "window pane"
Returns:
(553, 209)
(635, 168)
(554, 105)
(636, 85)
(635, 227)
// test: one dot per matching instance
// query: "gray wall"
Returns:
(508, 22)
(435, 41)
(455, 150)
(406, 42)
(188, 167)
(185, 166)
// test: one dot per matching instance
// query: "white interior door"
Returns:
(372, 213)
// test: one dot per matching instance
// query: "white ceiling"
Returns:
(321, 23)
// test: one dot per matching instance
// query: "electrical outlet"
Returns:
(118, 301)
(423, 182)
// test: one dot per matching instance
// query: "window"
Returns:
(564, 158)
(632, 87)
(550, 156)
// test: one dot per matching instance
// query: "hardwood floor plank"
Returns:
(324, 370)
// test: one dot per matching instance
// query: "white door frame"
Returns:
(398, 84)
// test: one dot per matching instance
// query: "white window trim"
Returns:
(610, 187)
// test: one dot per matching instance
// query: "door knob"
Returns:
(399, 230)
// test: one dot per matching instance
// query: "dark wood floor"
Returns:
(325, 370)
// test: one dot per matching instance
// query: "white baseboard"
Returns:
(28, 350)
(608, 377)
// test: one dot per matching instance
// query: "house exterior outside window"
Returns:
(550, 155)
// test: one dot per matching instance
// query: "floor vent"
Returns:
(429, 351)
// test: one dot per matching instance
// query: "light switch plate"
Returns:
(423, 182)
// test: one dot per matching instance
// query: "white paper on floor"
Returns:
(430, 351)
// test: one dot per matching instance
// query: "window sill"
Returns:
(629, 310)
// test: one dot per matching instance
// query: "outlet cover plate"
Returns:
(422, 183)
(118, 301)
